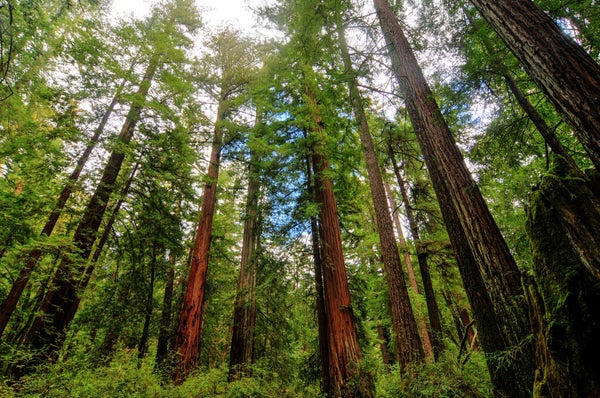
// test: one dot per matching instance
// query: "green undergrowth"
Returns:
(78, 378)
(449, 377)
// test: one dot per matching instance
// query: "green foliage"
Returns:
(445, 378)
(77, 378)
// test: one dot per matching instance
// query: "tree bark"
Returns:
(563, 222)
(426, 337)
(10, 303)
(244, 313)
(187, 340)
(538, 121)
(568, 75)
(60, 303)
(165, 331)
(487, 267)
(432, 307)
(472, 338)
(143, 343)
(383, 346)
(320, 294)
(408, 344)
(344, 351)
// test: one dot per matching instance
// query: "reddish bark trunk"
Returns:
(187, 340)
(426, 336)
(432, 306)
(320, 294)
(344, 351)
(244, 313)
(487, 262)
(408, 344)
(568, 75)
(464, 317)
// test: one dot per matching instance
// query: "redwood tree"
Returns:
(244, 312)
(432, 306)
(564, 71)
(234, 61)
(408, 344)
(60, 303)
(11, 300)
(187, 340)
(486, 264)
(344, 352)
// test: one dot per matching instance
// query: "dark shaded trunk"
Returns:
(320, 294)
(244, 312)
(433, 310)
(383, 346)
(10, 303)
(426, 337)
(166, 330)
(344, 351)
(568, 76)
(143, 343)
(114, 317)
(187, 340)
(486, 265)
(538, 121)
(61, 302)
(408, 344)
(563, 223)
(108, 227)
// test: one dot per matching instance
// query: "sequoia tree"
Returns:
(344, 352)
(408, 344)
(482, 254)
(60, 303)
(10, 302)
(233, 61)
(244, 315)
(564, 71)
(563, 222)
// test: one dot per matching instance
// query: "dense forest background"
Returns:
(358, 199)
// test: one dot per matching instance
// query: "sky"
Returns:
(214, 12)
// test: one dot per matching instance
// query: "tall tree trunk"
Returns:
(143, 343)
(187, 340)
(107, 348)
(10, 303)
(109, 225)
(165, 331)
(426, 337)
(244, 312)
(408, 344)
(538, 121)
(563, 222)
(432, 307)
(344, 351)
(61, 302)
(320, 294)
(487, 267)
(568, 75)
(383, 345)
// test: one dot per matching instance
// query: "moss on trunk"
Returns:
(564, 227)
